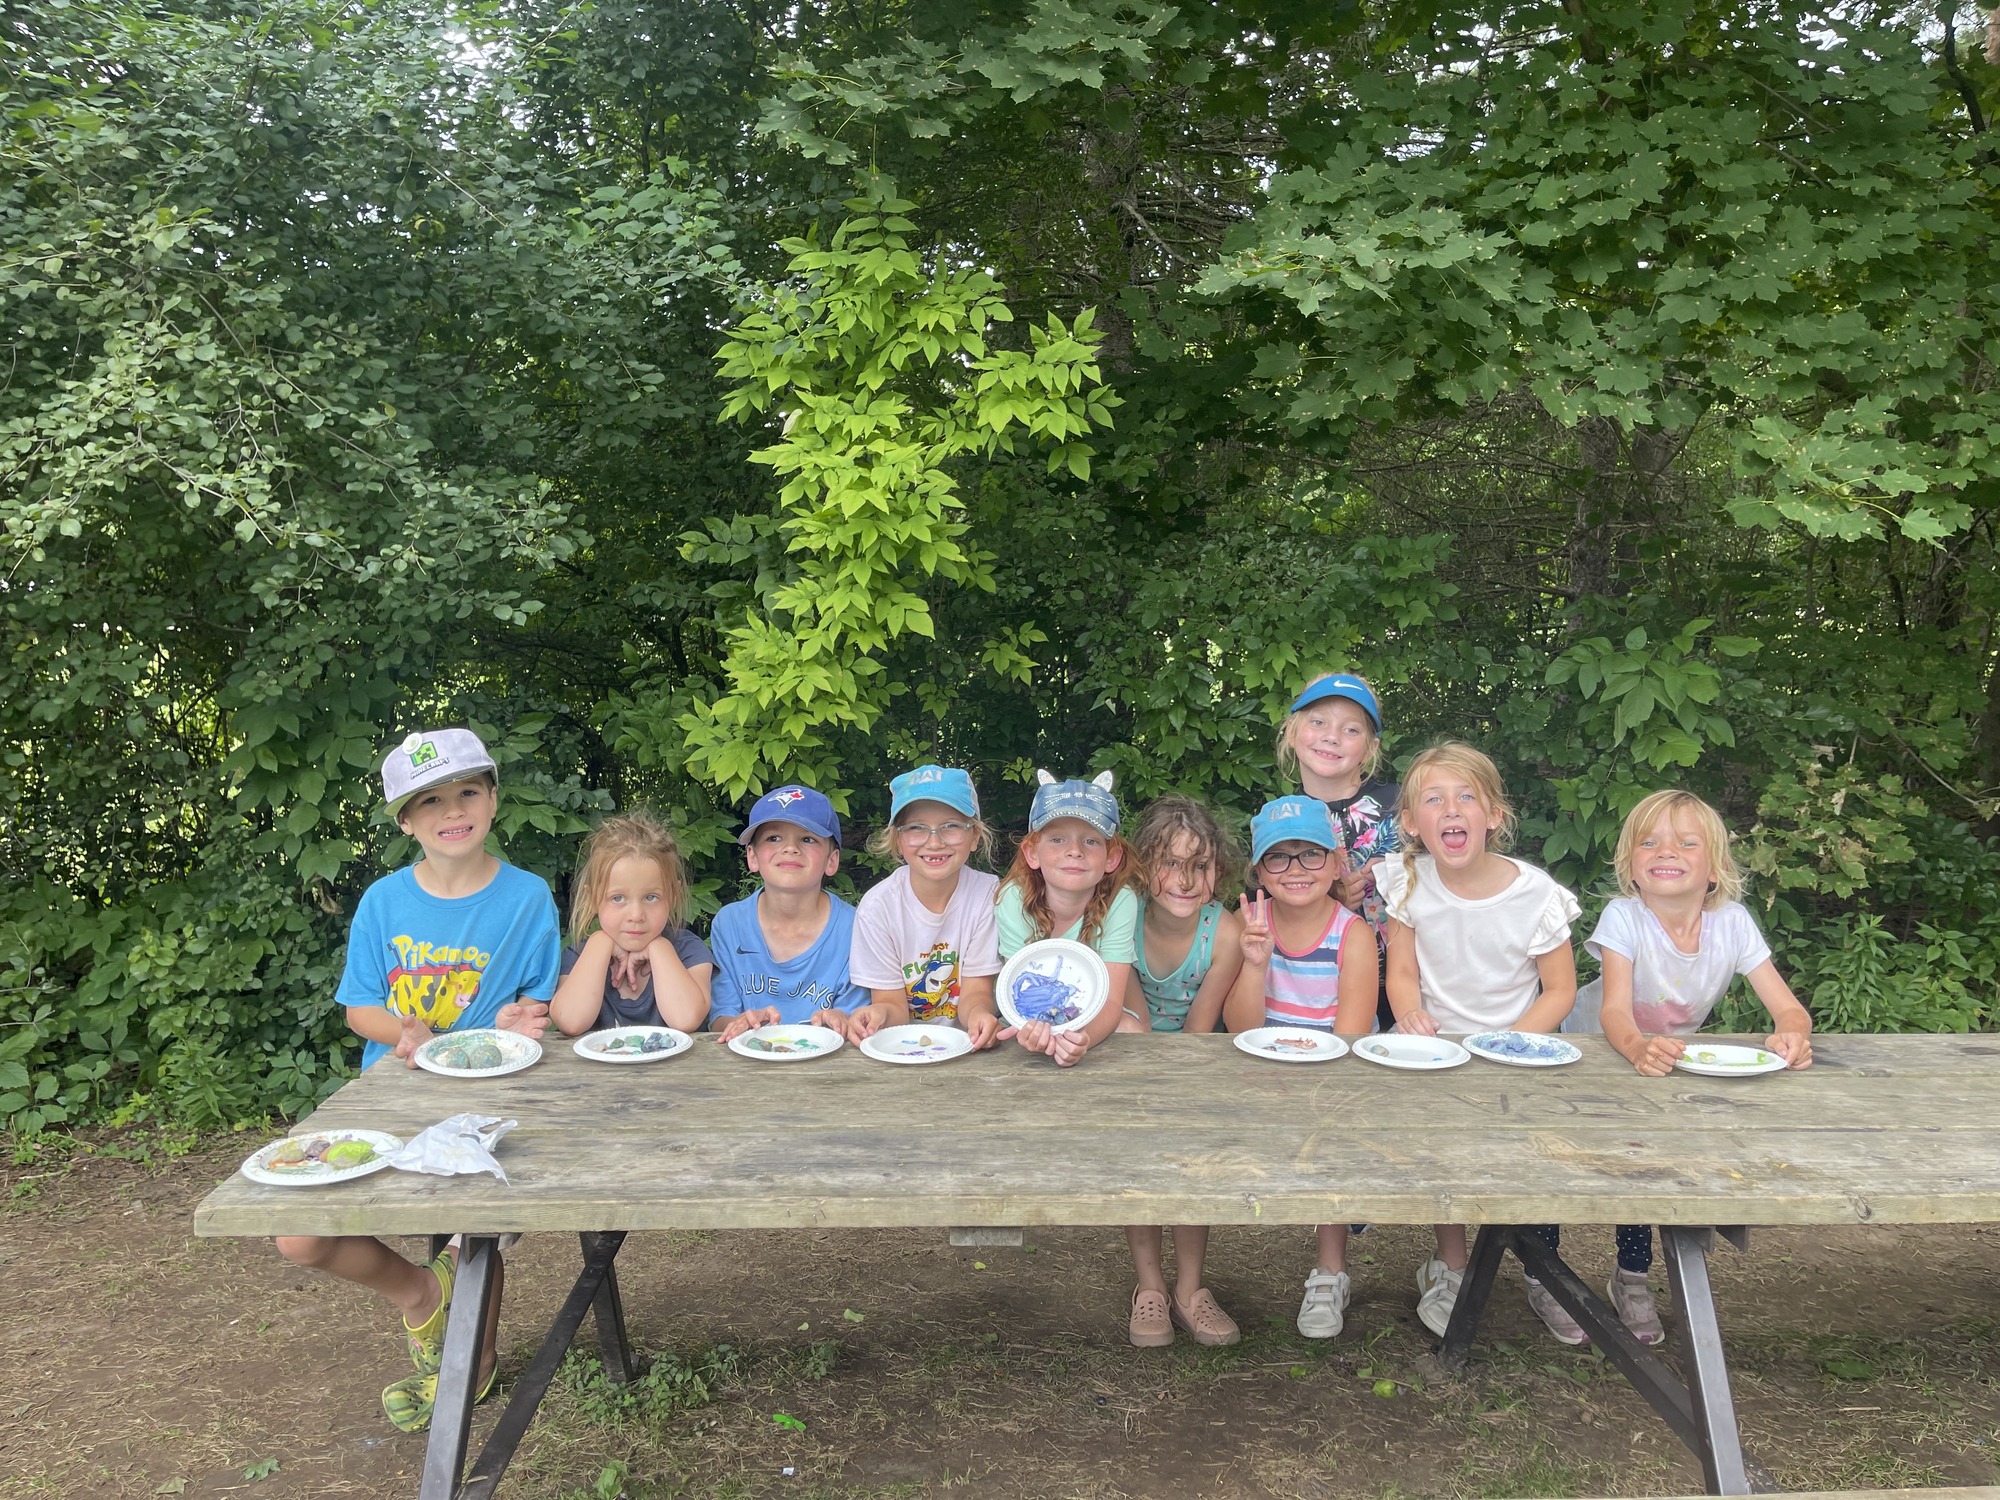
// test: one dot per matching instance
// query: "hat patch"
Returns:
(788, 796)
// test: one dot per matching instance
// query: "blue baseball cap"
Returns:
(1089, 800)
(946, 784)
(1303, 818)
(1342, 685)
(792, 804)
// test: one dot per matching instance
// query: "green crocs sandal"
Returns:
(427, 1341)
(408, 1403)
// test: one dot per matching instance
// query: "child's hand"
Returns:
(1354, 889)
(415, 1034)
(1795, 1047)
(528, 1017)
(750, 1020)
(1418, 1023)
(1068, 1047)
(1257, 931)
(630, 972)
(984, 1030)
(1036, 1036)
(1657, 1058)
(865, 1022)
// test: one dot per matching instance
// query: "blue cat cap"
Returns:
(1303, 818)
(1089, 800)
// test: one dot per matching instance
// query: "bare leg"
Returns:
(1451, 1245)
(1332, 1247)
(368, 1262)
(413, 1290)
(1190, 1258)
(1145, 1242)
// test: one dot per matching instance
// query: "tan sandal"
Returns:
(1209, 1324)
(1151, 1327)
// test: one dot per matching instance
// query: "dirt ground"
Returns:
(138, 1360)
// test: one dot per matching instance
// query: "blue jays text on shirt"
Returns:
(804, 989)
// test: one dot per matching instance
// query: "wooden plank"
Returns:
(1175, 1130)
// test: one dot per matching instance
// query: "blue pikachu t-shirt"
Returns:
(748, 978)
(451, 962)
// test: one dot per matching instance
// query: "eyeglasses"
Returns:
(916, 835)
(1305, 859)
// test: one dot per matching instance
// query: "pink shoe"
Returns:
(1151, 1327)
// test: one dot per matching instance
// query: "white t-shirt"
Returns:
(1476, 967)
(1672, 991)
(899, 943)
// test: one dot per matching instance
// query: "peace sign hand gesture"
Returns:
(1257, 930)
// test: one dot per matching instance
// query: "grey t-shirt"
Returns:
(641, 1009)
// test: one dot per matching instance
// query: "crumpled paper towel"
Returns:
(455, 1147)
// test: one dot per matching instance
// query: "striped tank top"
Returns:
(1303, 989)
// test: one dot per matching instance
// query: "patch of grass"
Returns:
(672, 1384)
(1541, 1475)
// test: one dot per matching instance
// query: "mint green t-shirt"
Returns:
(1117, 941)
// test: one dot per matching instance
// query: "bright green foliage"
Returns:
(1662, 216)
(881, 371)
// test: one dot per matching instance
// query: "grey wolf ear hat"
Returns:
(1089, 800)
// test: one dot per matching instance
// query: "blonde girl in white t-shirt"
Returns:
(1477, 941)
(1670, 946)
(925, 945)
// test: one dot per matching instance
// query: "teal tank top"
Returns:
(1169, 996)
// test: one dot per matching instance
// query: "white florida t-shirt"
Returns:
(1672, 991)
(1476, 966)
(899, 943)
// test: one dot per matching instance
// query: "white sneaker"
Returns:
(1324, 1312)
(1437, 1294)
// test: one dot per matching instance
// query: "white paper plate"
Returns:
(1721, 1060)
(318, 1174)
(1523, 1049)
(916, 1044)
(516, 1052)
(620, 1044)
(1296, 1044)
(787, 1043)
(1425, 1054)
(1057, 980)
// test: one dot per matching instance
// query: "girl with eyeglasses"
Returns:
(925, 944)
(1307, 961)
(1478, 941)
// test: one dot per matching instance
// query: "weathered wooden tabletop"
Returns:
(1172, 1129)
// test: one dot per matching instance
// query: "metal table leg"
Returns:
(1474, 1291)
(1701, 1411)
(458, 1374)
(1713, 1409)
(596, 1287)
(614, 1348)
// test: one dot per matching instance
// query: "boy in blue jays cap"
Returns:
(781, 954)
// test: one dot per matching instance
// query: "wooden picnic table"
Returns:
(1166, 1129)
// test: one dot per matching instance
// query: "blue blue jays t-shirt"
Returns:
(450, 962)
(748, 978)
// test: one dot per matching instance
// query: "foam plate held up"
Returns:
(1057, 980)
